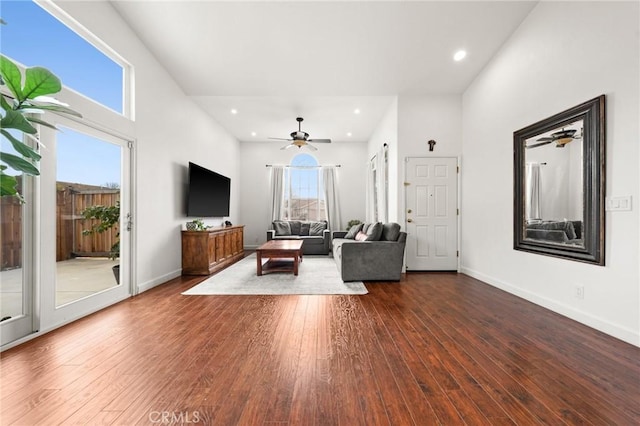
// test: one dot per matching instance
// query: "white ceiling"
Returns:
(273, 60)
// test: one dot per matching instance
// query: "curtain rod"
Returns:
(302, 167)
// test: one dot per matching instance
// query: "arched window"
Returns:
(304, 197)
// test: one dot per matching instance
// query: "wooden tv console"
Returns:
(205, 252)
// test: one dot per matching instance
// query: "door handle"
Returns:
(409, 220)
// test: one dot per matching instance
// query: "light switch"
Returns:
(622, 203)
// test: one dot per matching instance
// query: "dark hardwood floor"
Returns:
(436, 348)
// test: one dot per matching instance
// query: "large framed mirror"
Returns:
(559, 184)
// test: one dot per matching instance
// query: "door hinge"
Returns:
(457, 169)
(407, 183)
(129, 222)
(457, 253)
(458, 212)
(130, 144)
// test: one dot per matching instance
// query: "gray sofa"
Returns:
(558, 231)
(375, 252)
(314, 234)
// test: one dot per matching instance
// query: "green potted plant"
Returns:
(197, 225)
(19, 110)
(353, 222)
(108, 217)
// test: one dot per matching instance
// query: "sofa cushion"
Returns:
(353, 231)
(374, 231)
(295, 227)
(390, 231)
(317, 228)
(305, 228)
(281, 227)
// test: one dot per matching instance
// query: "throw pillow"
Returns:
(317, 228)
(295, 227)
(374, 232)
(365, 227)
(353, 231)
(304, 228)
(390, 231)
(282, 228)
(361, 236)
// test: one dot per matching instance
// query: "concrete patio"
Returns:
(75, 279)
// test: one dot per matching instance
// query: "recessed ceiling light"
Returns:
(459, 55)
(253, 133)
(234, 111)
(349, 134)
(356, 111)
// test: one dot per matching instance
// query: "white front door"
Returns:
(431, 191)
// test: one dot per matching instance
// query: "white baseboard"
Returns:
(614, 330)
(148, 285)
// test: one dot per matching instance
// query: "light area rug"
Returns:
(316, 275)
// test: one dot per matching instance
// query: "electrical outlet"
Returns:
(579, 291)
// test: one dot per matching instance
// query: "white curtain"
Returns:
(331, 198)
(532, 191)
(371, 213)
(276, 198)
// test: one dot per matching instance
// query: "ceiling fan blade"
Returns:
(311, 147)
(538, 144)
(545, 139)
(319, 140)
(281, 139)
(287, 146)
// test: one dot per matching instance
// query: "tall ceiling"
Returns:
(273, 61)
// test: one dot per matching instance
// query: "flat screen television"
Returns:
(209, 193)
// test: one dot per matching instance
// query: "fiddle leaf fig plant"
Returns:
(24, 96)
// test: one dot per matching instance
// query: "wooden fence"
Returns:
(70, 242)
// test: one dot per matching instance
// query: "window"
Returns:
(304, 197)
(34, 37)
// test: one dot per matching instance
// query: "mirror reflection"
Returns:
(554, 184)
(559, 184)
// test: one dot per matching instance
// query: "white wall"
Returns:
(254, 190)
(563, 54)
(169, 131)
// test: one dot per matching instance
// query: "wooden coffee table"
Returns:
(282, 255)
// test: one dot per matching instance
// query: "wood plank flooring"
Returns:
(433, 349)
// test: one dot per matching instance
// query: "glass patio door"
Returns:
(86, 222)
(16, 259)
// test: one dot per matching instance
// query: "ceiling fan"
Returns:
(561, 138)
(301, 138)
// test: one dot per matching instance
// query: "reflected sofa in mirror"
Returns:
(559, 184)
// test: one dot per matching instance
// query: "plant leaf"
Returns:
(15, 120)
(40, 81)
(41, 122)
(19, 164)
(20, 146)
(8, 185)
(52, 107)
(11, 76)
(5, 105)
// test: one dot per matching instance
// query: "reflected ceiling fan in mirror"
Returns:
(301, 138)
(561, 138)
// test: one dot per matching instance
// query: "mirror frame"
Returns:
(592, 113)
